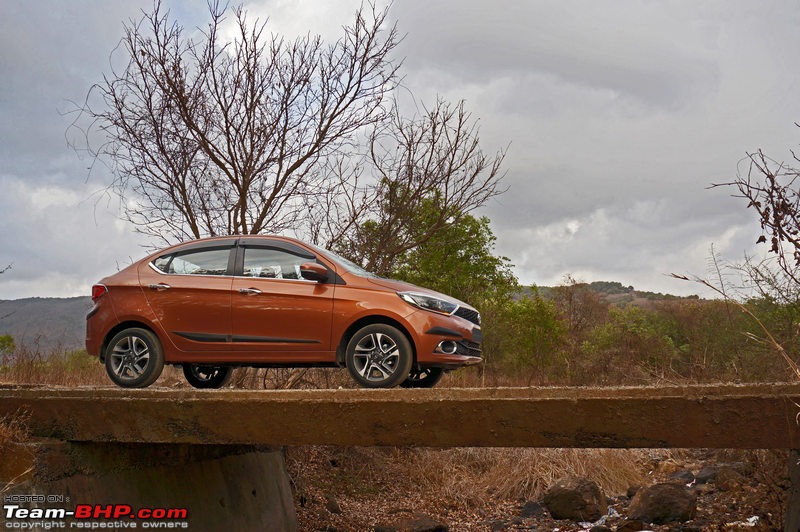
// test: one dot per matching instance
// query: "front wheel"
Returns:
(134, 358)
(379, 356)
(423, 378)
(207, 377)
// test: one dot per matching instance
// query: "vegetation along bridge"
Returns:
(154, 446)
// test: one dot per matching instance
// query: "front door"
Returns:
(275, 312)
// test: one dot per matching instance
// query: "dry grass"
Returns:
(464, 477)
(13, 431)
(30, 365)
(468, 476)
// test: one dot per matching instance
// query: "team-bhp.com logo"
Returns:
(93, 516)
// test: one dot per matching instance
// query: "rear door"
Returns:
(189, 290)
(275, 310)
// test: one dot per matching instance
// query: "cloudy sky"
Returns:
(617, 117)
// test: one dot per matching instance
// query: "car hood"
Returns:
(402, 286)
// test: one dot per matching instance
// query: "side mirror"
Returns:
(314, 271)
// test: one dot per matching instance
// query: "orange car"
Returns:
(214, 304)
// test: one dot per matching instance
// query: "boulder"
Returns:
(663, 503)
(575, 498)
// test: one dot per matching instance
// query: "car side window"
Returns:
(202, 262)
(269, 263)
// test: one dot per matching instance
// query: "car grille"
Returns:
(469, 315)
(467, 348)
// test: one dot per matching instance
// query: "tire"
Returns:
(423, 378)
(207, 377)
(379, 356)
(134, 358)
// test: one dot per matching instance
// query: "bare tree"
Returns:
(208, 137)
(428, 173)
(772, 189)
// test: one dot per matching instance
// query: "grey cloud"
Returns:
(617, 117)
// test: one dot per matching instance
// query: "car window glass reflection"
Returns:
(271, 264)
(211, 262)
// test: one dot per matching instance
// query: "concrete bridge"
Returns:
(117, 445)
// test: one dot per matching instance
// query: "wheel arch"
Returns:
(371, 320)
(122, 326)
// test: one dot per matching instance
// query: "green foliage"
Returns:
(7, 344)
(459, 261)
(524, 336)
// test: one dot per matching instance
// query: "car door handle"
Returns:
(250, 291)
(160, 287)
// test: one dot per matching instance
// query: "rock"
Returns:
(728, 479)
(532, 509)
(706, 475)
(332, 505)
(575, 498)
(683, 476)
(632, 491)
(668, 466)
(498, 526)
(418, 523)
(663, 503)
(600, 528)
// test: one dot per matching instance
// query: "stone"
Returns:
(707, 474)
(532, 509)
(728, 479)
(575, 498)
(332, 505)
(632, 491)
(683, 476)
(663, 503)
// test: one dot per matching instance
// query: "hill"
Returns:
(615, 293)
(49, 323)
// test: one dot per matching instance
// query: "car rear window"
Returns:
(202, 262)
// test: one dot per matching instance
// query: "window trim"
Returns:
(291, 249)
(194, 248)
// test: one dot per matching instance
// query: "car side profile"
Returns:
(215, 304)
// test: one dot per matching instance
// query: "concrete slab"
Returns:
(724, 416)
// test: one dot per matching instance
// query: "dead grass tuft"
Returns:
(468, 476)
(14, 429)
(29, 364)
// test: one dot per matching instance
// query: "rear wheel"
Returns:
(207, 377)
(134, 358)
(423, 378)
(379, 356)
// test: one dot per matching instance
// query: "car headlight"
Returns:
(428, 302)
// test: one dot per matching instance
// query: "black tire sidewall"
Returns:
(406, 359)
(427, 382)
(155, 363)
(220, 378)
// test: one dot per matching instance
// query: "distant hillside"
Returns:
(615, 293)
(51, 323)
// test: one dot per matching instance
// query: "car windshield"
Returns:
(348, 265)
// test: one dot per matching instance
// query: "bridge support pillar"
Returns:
(791, 520)
(222, 487)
